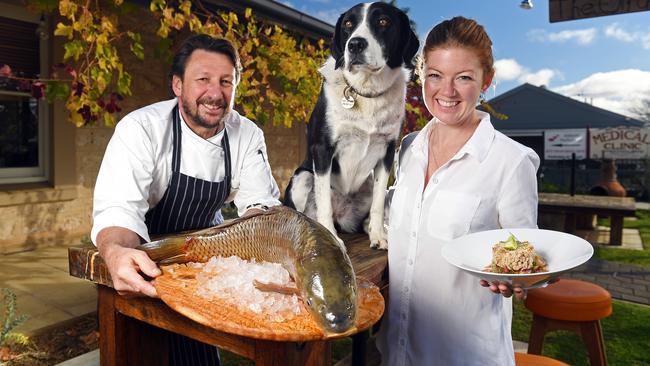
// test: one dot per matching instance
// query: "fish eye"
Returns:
(384, 22)
(348, 24)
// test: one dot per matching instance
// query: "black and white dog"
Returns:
(356, 122)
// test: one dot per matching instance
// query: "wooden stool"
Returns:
(570, 305)
(524, 359)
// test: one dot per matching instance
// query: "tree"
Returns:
(643, 111)
(278, 83)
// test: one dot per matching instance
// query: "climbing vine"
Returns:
(279, 82)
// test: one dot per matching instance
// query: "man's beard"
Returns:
(195, 117)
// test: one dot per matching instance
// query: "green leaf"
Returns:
(138, 50)
(134, 36)
(57, 91)
(73, 49)
(124, 84)
(109, 119)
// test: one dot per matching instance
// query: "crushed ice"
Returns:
(231, 279)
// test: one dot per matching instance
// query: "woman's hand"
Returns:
(505, 289)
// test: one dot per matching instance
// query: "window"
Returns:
(24, 132)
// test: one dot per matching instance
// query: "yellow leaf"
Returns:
(63, 30)
(163, 30)
(102, 39)
(248, 12)
(179, 21)
(100, 83)
(186, 7)
(156, 5)
(76, 118)
(107, 26)
(67, 8)
(86, 20)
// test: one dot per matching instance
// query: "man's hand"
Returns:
(252, 211)
(505, 289)
(126, 264)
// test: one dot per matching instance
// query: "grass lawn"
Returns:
(637, 257)
(626, 332)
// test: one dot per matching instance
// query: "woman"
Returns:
(458, 176)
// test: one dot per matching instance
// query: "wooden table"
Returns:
(133, 331)
(614, 207)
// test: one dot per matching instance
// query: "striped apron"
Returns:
(189, 204)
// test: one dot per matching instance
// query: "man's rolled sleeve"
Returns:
(257, 187)
(125, 176)
(117, 216)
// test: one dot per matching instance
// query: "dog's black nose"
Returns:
(357, 44)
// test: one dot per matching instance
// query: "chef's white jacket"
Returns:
(137, 166)
(438, 314)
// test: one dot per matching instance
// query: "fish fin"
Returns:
(274, 287)
(166, 251)
(180, 258)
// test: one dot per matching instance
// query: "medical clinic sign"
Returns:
(619, 143)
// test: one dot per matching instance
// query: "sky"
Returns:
(604, 61)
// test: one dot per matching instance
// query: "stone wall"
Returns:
(286, 148)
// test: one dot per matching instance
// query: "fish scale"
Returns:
(313, 257)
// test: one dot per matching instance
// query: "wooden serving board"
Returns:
(178, 291)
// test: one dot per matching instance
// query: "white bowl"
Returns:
(563, 252)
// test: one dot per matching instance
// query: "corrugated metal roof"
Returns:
(530, 107)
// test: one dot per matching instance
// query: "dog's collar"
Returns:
(349, 95)
(351, 91)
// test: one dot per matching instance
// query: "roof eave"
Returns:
(282, 14)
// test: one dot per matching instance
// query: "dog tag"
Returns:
(347, 102)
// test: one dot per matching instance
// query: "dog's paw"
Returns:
(379, 244)
(378, 238)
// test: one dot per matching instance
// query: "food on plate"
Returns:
(315, 260)
(516, 257)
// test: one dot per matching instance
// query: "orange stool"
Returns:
(524, 359)
(570, 305)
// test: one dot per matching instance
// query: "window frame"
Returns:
(41, 172)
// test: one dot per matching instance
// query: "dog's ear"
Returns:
(410, 41)
(336, 48)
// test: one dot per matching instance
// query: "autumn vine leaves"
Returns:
(280, 82)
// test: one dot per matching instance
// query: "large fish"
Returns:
(313, 257)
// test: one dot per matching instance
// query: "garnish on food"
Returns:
(516, 257)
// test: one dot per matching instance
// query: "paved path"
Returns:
(624, 281)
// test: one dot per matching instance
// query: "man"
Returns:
(171, 166)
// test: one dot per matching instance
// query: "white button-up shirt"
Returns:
(137, 166)
(437, 314)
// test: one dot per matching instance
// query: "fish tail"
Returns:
(167, 251)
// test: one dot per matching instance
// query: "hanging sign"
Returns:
(561, 10)
(619, 143)
(561, 144)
